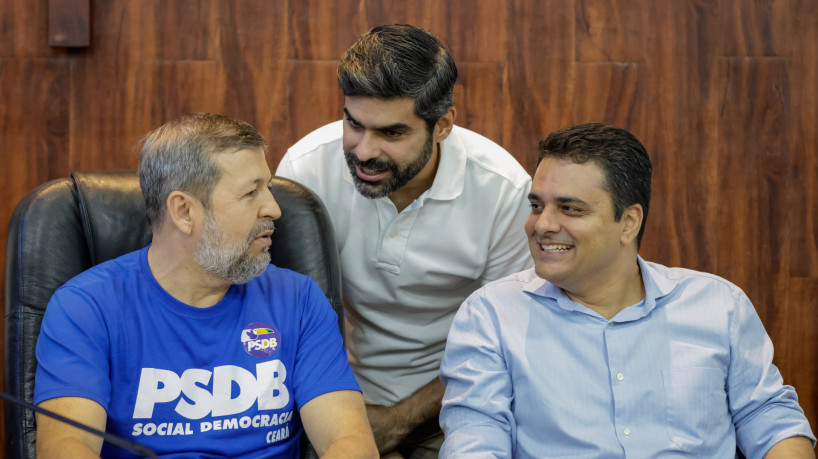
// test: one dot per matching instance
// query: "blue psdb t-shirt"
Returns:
(223, 381)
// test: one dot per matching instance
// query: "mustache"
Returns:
(371, 163)
(261, 227)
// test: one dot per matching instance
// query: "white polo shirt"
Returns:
(405, 274)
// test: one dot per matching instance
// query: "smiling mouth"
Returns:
(555, 248)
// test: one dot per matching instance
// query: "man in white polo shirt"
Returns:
(424, 212)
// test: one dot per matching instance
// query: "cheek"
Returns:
(530, 222)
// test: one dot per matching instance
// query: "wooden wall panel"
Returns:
(611, 30)
(252, 67)
(756, 27)
(480, 99)
(611, 93)
(682, 63)
(803, 128)
(24, 29)
(314, 100)
(754, 165)
(540, 75)
(723, 93)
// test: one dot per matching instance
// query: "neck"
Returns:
(420, 183)
(172, 265)
(614, 295)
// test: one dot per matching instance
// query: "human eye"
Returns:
(571, 210)
(392, 133)
(535, 207)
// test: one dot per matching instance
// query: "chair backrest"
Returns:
(68, 225)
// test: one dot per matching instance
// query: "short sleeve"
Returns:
(321, 363)
(73, 350)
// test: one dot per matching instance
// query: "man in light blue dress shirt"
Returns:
(597, 353)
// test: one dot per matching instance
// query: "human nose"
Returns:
(547, 221)
(367, 147)
(269, 209)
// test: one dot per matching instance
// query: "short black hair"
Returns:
(623, 159)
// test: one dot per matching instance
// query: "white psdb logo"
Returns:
(266, 388)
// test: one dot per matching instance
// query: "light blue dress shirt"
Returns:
(686, 372)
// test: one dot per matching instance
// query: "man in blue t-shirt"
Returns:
(197, 346)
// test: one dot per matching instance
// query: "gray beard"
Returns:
(230, 260)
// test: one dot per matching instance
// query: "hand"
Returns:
(387, 426)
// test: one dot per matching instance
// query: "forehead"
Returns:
(558, 177)
(372, 112)
(240, 166)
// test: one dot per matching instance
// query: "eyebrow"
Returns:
(559, 199)
(403, 127)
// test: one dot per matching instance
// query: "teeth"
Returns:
(555, 247)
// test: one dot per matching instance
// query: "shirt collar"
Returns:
(656, 287)
(448, 183)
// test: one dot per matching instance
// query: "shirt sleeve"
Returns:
(476, 414)
(509, 251)
(73, 350)
(765, 411)
(321, 364)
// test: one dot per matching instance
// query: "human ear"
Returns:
(631, 223)
(444, 125)
(181, 209)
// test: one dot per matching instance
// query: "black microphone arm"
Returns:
(123, 443)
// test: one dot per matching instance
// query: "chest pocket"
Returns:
(696, 406)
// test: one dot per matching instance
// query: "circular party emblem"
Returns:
(260, 339)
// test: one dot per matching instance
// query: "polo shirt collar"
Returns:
(451, 170)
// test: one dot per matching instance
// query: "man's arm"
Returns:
(765, 411)
(476, 414)
(56, 439)
(391, 424)
(792, 448)
(336, 425)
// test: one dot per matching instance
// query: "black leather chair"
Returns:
(69, 225)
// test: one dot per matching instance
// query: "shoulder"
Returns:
(505, 290)
(275, 278)
(486, 158)
(285, 289)
(685, 276)
(109, 274)
(326, 137)
(687, 288)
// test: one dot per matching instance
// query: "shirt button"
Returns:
(610, 324)
(626, 431)
(620, 377)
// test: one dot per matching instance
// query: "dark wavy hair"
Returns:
(401, 61)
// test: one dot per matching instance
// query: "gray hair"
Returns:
(179, 156)
(401, 61)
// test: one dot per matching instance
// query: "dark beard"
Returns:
(400, 177)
